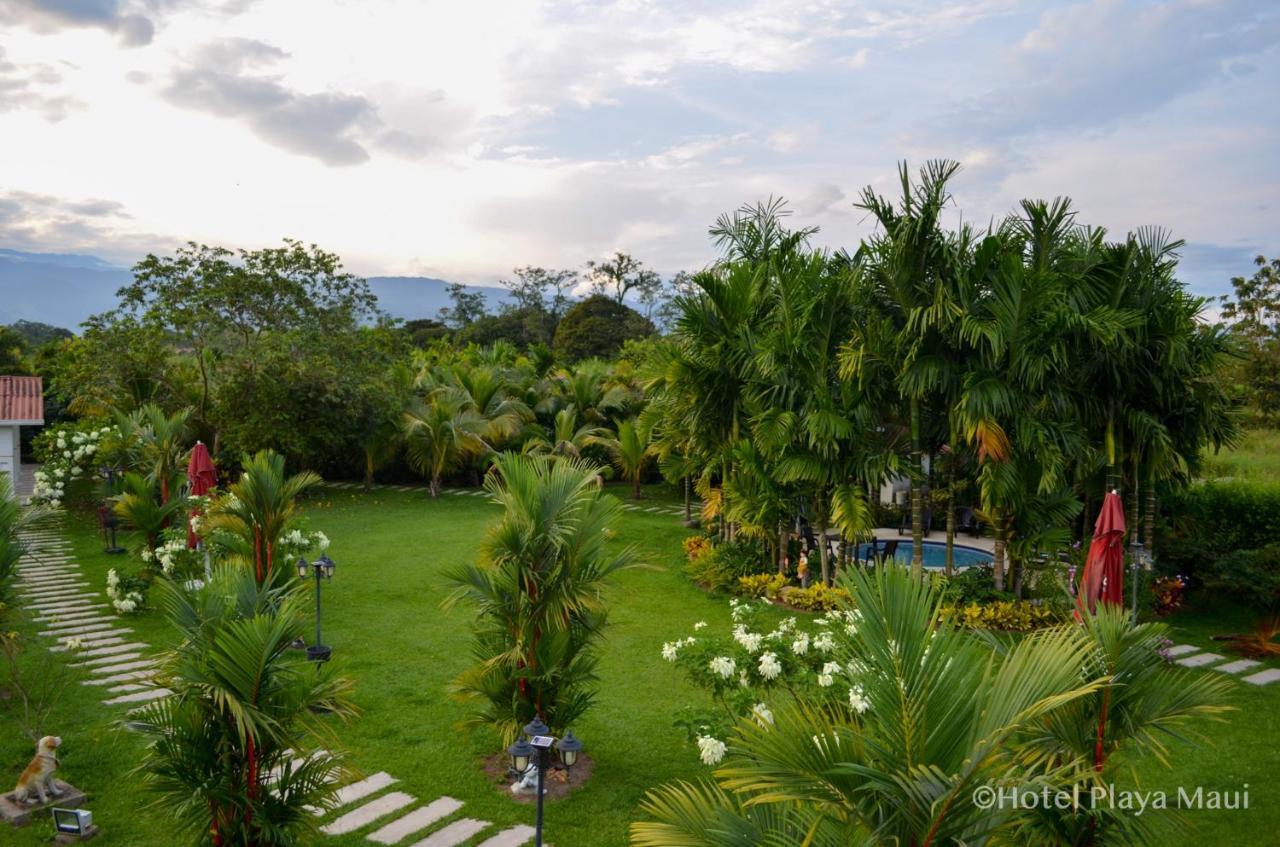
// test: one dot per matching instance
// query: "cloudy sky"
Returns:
(459, 139)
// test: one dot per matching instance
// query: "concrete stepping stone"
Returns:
(50, 585)
(1182, 649)
(416, 821)
(1237, 666)
(368, 813)
(1200, 660)
(107, 660)
(359, 790)
(66, 631)
(121, 667)
(71, 589)
(69, 605)
(455, 833)
(120, 677)
(1264, 677)
(30, 575)
(84, 620)
(112, 650)
(74, 614)
(88, 644)
(138, 697)
(127, 688)
(513, 837)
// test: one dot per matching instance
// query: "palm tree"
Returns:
(158, 442)
(258, 510)
(906, 264)
(538, 593)
(440, 433)
(232, 754)
(629, 452)
(933, 714)
(143, 507)
(567, 438)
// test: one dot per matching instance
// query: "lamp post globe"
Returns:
(304, 567)
(521, 752)
(569, 748)
(326, 565)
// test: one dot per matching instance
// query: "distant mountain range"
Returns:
(63, 289)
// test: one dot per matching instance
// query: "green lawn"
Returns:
(383, 618)
(1255, 458)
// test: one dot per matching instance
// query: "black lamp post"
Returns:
(321, 567)
(1138, 562)
(106, 515)
(534, 746)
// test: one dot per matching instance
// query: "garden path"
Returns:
(52, 586)
(1188, 655)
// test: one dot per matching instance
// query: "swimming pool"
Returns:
(935, 554)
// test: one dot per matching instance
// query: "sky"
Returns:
(462, 139)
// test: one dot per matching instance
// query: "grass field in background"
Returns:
(1255, 458)
(382, 615)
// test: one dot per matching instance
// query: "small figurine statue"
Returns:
(802, 570)
(527, 783)
(38, 776)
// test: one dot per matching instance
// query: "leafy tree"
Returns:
(13, 351)
(1253, 314)
(538, 594)
(422, 331)
(468, 306)
(568, 437)
(232, 754)
(620, 274)
(597, 327)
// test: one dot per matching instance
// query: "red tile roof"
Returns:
(21, 399)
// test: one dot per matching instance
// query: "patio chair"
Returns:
(967, 521)
(906, 522)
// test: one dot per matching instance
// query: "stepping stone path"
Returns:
(52, 586)
(1194, 658)
(666, 509)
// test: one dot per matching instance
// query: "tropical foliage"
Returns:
(537, 594)
(931, 714)
(234, 753)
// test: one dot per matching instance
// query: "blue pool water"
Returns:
(935, 554)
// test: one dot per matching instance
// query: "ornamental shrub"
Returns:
(1208, 520)
(1007, 615)
(718, 567)
(1250, 576)
(765, 585)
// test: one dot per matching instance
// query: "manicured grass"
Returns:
(1255, 458)
(382, 615)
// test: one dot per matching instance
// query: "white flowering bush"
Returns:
(754, 662)
(67, 452)
(128, 594)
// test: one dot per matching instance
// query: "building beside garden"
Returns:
(21, 404)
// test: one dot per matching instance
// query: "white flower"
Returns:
(744, 681)
(769, 667)
(146, 555)
(113, 578)
(825, 642)
(827, 677)
(55, 503)
(724, 666)
(321, 540)
(711, 750)
(761, 713)
(671, 650)
(801, 645)
(73, 643)
(699, 625)
(195, 524)
(750, 641)
(858, 700)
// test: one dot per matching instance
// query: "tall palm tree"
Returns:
(538, 593)
(258, 510)
(143, 508)
(629, 452)
(440, 433)
(232, 754)
(933, 714)
(158, 442)
(906, 264)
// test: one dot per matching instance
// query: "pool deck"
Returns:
(984, 544)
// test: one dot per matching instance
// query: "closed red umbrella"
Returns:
(1103, 577)
(203, 478)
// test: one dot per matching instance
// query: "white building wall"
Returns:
(10, 448)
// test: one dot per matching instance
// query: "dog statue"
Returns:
(38, 777)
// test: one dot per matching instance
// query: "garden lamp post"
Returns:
(321, 567)
(534, 748)
(1138, 562)
(106, 516)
